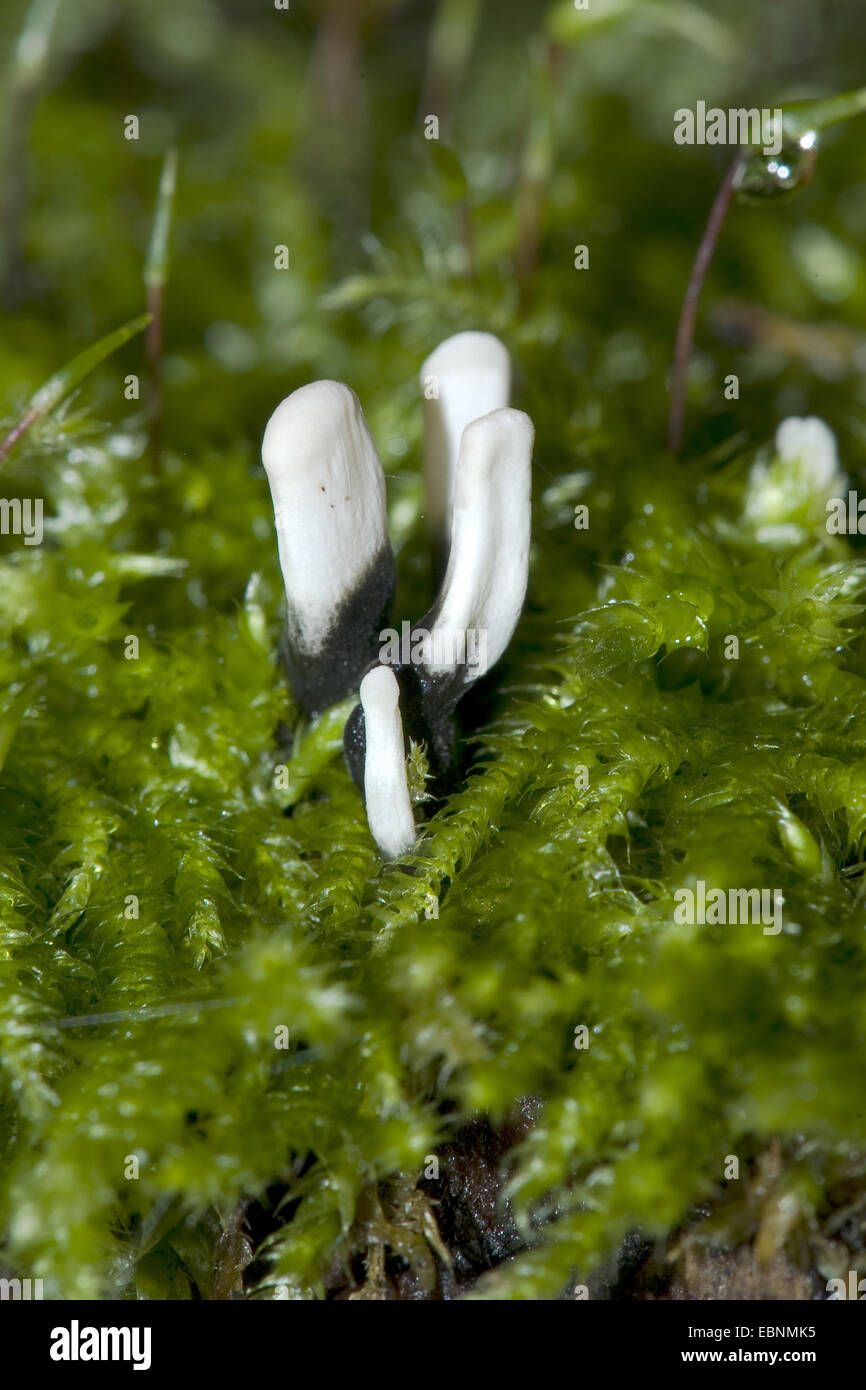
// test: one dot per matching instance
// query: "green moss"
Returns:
(147, 858)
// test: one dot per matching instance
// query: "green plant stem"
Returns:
(155, 276)
(70, 376)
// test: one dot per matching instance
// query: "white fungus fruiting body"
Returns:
(786, 495)
(328, 491)
(480, 600)
(465, 377)
(386, 788)
(810, 444)
(329, 500)
(485, 582)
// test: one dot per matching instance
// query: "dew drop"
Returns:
(767, 177)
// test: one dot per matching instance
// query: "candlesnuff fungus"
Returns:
(786, 497)
(329, 501)
(465, 377)
(386, 788)
(328, 491)
(482, 592)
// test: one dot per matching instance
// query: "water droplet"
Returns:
(766, 177)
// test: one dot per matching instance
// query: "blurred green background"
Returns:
(305, 127)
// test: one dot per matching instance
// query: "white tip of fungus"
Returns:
(485, 582)
(465, 377)
(328, 491)
(811, 444)
(786, 494)
(386, 789)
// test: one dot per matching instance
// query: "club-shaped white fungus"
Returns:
(786, 495)
(810, 443)
(328, 491)
(463, 378)
(386, 790)
(485, 582)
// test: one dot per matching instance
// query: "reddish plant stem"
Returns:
(689, 311)
(17, 430)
